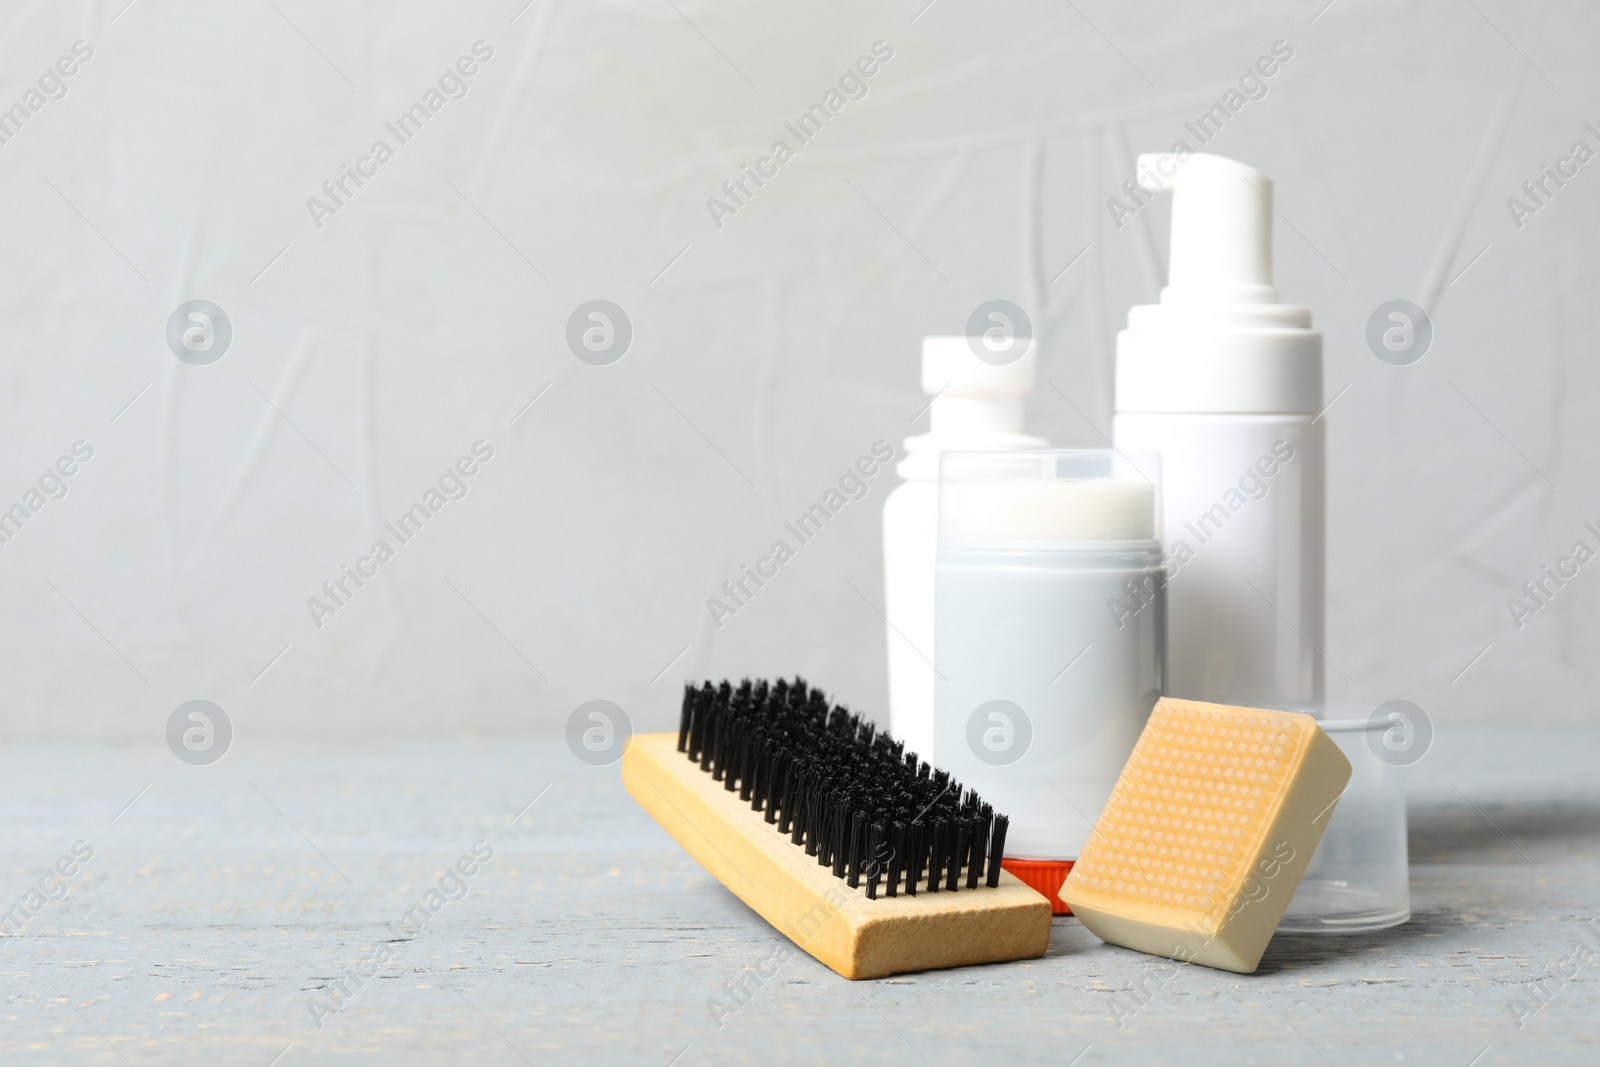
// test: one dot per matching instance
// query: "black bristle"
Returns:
(835, 785)
(979, 833)
(841, 838)
(914, 847)
(935, 855)
(858, 844)
(758, 778)
(997, 849)
(897, 844)
(684, 717)
(962, 845)
(713, 754)
(786, 802)
(697, 728)
(802, 807)
(748, 770)
(824, 836)
(732, 757)
(777, 774)
(874, 860)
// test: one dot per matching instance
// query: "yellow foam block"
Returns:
(1207, 832)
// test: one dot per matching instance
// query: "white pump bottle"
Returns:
(976, 406)
(1226, 384)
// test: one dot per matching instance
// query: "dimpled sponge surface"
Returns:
(1207, 832)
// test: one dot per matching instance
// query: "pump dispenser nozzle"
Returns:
(1218, 341)
(1221, 228)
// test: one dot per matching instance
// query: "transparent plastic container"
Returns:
(1049, 633)
(1359, 877)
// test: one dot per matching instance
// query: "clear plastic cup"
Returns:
(1359, 877)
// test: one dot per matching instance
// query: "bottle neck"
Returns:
(965, 423)
(966, 416)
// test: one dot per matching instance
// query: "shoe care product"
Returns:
(976, 405)
(1226, 384)
(859, 852)
(1208, 832)
(1050, 624)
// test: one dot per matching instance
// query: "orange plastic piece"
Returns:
(1046, 878)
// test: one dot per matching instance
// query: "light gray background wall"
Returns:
(768, 354)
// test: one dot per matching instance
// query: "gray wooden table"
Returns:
(225, 907)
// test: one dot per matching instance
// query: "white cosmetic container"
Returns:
(1225, 383)
(976, 406)
(1049, 615)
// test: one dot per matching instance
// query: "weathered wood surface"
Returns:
(225, 903)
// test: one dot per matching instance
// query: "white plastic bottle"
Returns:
(976, 406)
(1225, 383)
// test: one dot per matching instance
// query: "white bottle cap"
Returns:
(951, 367)
(1219, 342)
(977, 404)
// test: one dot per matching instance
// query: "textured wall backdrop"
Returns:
(378, 337)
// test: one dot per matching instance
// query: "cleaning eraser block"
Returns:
(1207, 832)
